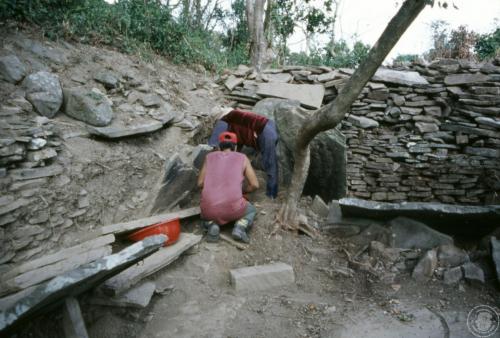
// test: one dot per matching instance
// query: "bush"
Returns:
(133, 26)
(337, 56)
(488, 45)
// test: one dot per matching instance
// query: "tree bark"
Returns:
(255, 19)
(327, 117)
(334, 21)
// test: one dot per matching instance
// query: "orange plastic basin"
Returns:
(171, 228)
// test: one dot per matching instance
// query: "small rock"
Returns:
(341, 230)
(473, 273)
(83, 202)
(11, 69)
(40, 217)
(362, 122)
(453, 275)
(424, 269)
(151, 100)
(37, 143)
(108, 79)
(330, 310)
(451, 256)
(44, 91)
(387, 255)
(40, 155)
(319, 207)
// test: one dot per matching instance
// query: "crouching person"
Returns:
(221, 179)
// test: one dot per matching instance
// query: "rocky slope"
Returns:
(84, 133)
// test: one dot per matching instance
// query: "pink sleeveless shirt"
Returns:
(222, 197)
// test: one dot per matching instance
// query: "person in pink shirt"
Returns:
(221, 180)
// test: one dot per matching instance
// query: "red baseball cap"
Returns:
(227, 136)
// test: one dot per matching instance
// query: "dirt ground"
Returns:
(200, 302)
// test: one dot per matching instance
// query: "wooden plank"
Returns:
(144, 222)
(150, 265)
(73, 324)
(240, 246)
(37, 276)
(75, 282)
(58, 256)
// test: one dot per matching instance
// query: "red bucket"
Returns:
(171, 228)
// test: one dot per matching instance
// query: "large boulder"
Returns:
(89, 106)
(268, 105)
(11, 69)
(410, 234)
(44, 91)
(327, 170)
(178, 184)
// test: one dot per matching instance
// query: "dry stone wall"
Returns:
(419, 133)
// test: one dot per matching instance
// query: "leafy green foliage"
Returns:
(488, 45)
(134, 26)
(339, 55)
(403, 58)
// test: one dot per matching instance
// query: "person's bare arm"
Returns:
(201, 176)
(253, 182)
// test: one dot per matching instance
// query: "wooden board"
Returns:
(143, 222)
(73, 283)
(150, 265)
(58, 256)
(73, 324)
(42, 274)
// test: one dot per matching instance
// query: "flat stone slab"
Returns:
(125, 131)
(399, 77)
(456, 219)
(460, 79)
(31, 173)
(233, 81)
(310, 96)
(262, 277)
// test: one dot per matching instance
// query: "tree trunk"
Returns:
(255, 18)
(332, 33)
(327, 117)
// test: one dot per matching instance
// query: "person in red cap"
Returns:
(221, 180)
(256, 131)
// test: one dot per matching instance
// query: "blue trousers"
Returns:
(268, 141)
(245, 222)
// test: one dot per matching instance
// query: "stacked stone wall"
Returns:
(416, 133)
(435, 142)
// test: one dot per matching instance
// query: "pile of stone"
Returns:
(28, 151)
(429, 133)
(36, 206)
(404, 245)
(449, 264)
